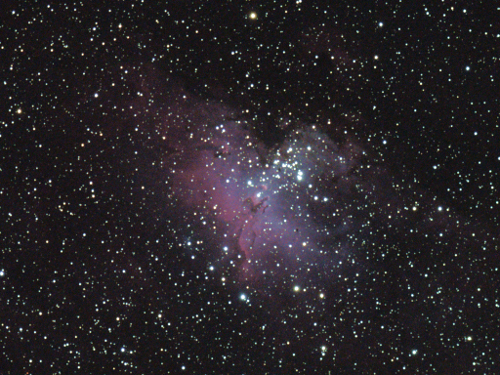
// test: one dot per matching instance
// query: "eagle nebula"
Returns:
(285, 209)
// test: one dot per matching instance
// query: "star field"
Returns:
(241, 187)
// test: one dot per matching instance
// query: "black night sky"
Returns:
(243, 187)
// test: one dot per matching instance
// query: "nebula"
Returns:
(277, 210)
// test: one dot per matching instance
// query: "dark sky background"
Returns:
(242, 187)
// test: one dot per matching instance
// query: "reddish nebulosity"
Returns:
(263, 210)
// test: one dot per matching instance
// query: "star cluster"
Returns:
(244, 187)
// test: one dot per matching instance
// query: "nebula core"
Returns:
(284, 210)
